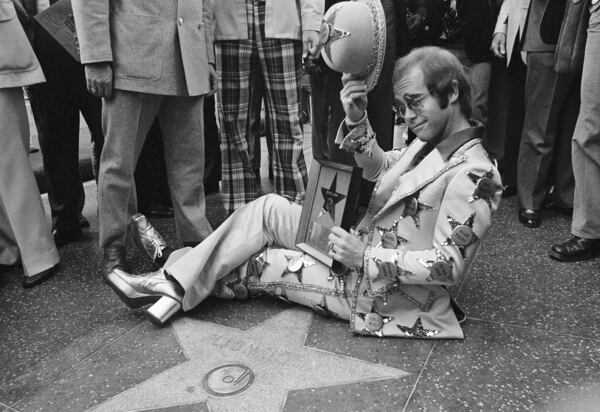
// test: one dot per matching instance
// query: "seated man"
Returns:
(432, 205)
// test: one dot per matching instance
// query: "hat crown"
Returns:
(353, 38)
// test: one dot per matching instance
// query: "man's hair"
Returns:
(439, 68)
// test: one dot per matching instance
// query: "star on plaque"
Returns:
(412, 208)
(330, 198)
(322, 308)
(296, 264)
(374, 322)
(485, 187)
(417, 330)
(440, 268)
(389, 237)
(462, 233)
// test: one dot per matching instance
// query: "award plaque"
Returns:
(331, 200)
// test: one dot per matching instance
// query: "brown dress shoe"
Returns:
(574, 249)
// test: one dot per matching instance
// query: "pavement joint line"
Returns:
(101, 348)
(414, 388)
(548, 332)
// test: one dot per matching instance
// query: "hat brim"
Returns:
(378, 22)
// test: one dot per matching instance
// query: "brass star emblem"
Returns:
(413, 207)
(389, 237)
(462, 233)
(374, 322)
(331, 198)
(417, 330)
(485, 187)
(296, 264)
(440, 268)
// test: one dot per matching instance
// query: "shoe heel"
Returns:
(161, 311)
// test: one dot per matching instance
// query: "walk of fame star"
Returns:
(413, 207)
(485, 187)
(296, 264)
(462, 233)
(389, 237)
(440, 268)
(374, 322)
(417, 330)
(274, 351)
(331, 198)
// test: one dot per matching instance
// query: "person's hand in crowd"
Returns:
(353, 97)
(498, 46)
(310, 43)
(212, 73)
(99, 78)
(414, 22)
(346, 248)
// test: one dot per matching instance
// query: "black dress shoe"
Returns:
(115, 257)
(158, 210)
(574, 249)
(83, 222)
(530, 217)
(63, 237)
(31, 281)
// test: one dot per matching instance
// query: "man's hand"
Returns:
(498, 46)
(414, 22)
(99, 78)
(346, 248)
(212, 73)
(354, 97)
(310, 43)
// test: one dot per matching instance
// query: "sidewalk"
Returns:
(531, 341)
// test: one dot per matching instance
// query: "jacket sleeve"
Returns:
(462, 222)
(311, 14)
(502, 20)
(360, 139)
(208, 16)
(93, 30)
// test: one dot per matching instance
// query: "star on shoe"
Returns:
(485, 187)
(296, 264)
(462, 233)
(417, 330)
(389, 237)
(374, 322)
(440, 268)
(413, 207)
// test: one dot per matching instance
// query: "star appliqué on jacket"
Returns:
(485, 187)
(462, 233)
(389, 237)
(417, 330)
(413, 207)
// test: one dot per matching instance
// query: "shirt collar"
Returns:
(449, 145)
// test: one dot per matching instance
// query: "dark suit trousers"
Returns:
(56, 105)
(552, 105)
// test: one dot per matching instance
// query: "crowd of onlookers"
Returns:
(173, 95)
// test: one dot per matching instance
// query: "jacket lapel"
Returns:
(429, 169)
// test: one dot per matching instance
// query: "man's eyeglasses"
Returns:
(413, 102)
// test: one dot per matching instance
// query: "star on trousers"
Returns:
(374, 322)
(417, 330)
(296, 264)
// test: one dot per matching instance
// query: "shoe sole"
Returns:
(124, 292)
(560, 258)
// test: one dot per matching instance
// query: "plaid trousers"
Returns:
(240, 64)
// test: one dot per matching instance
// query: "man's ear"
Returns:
(454, 94)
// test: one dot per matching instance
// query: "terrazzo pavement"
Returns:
(530, 339)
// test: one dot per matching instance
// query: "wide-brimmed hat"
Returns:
(353, 39)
